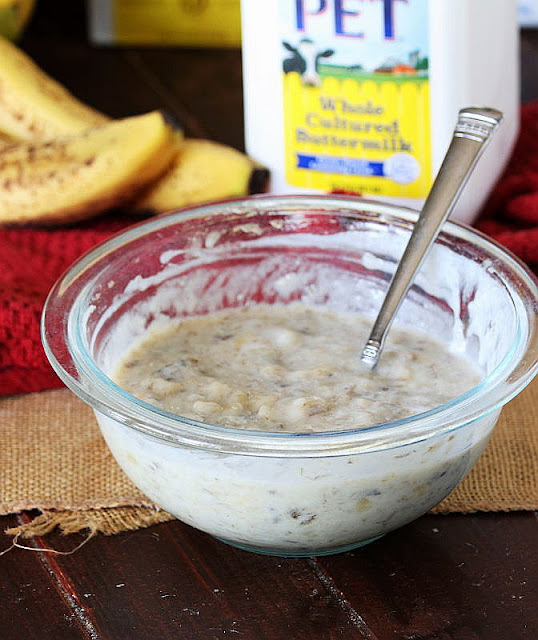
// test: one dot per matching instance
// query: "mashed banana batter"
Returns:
(289, 368)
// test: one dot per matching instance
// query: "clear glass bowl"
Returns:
(293, 493)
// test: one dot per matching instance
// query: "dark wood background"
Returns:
(457, 577)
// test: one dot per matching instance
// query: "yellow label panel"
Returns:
(364, 137)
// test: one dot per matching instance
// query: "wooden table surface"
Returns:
(457, 577)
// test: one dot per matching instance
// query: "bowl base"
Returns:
(293, 553)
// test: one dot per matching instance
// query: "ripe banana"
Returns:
(203, 170)
(5, 140)
(80, 176)
(14, 14)
(33, 106)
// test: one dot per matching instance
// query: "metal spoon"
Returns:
(473, 131)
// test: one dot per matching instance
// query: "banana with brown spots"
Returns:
(79, 176)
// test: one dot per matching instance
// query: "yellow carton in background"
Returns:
(190, 23)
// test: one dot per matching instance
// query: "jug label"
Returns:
(356, 95)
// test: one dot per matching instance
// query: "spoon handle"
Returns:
(472, 132)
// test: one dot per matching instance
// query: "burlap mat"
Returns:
(53, 459)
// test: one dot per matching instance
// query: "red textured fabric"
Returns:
(511, 213)
(32, 259)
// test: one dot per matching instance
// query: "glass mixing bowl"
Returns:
(293, 493)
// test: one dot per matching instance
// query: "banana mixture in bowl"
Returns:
(273, 368)
(219, 347)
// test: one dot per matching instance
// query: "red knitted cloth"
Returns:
(32, 259)
(511, 213)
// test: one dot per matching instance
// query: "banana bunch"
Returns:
(35, 107)
(14, 15)
(75, 177)
(61, 160)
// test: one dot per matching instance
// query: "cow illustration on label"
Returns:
(305, 60)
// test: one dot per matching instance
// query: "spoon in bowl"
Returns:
(473, 131)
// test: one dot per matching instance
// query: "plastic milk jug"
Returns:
(362, 96)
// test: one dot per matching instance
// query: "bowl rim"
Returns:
(74, 365)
